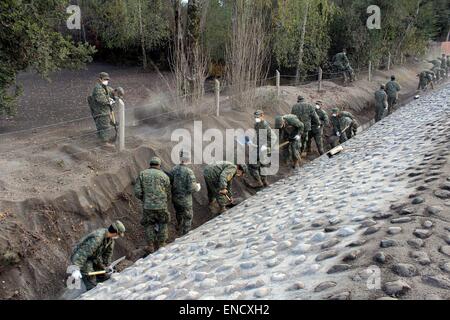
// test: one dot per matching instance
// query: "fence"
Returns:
(278, 80)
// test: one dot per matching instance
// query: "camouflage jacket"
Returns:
(341, 60)
(381, 98)
(443, 63)
(323, 117)
(99, 100)
(436, 63)
(220, 174)
(183, 183)
(95, 247)
(293, 127)
(392, 89)
(153, 189)
(345, 123)
(342, 122)
(263, 125)
(306, 113)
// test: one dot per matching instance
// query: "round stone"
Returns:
(318, 237)
(262, 292)
(278, 277)
(418, 200)
(394, 230)
(445, 250)
(422, 233)
(345, 232)
(427, 224)
(324, 286)
(371, 230)
(416, 243)
(296, 286)
(396, 288)
(404, 270)
(380, 257)
(339, 268)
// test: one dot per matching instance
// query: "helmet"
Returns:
(103, 76)
(119, 227)
(155, 161)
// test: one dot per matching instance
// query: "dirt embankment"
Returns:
(54, 194)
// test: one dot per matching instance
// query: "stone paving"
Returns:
(318, 233)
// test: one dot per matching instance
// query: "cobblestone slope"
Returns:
(313, 235)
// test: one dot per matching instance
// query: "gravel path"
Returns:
(318, 234)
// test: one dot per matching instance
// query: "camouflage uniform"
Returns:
(344, 125)
(293, 127)
(444, 66)
(306, 113)
(341, 62)
(425, 78)
(317, 131)
(438, 71)
(219, 176)
(153, 189)
(183, 186)
(392, 89)
(255, 169)
(381, 104)
(93, 253)
(99, 103)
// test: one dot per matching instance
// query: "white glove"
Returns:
(111, 101)
(77, 275)
(109, 271)
(198, 187)
(264, 148)
(297, 137)
(338, 134)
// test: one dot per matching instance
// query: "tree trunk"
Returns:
(141, 31)
(302, 44)
(408, 28)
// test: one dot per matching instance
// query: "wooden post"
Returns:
(121, 125)
(217, 95)
(278, 84)
(389, 62)
(320, 79)
(370, 71)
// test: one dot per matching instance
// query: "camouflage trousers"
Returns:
(91, 281)
(379, 112)
(184, 215)
(304, 141)
(292, 152)
(317, 134)
(156, 225)
(255, 172)
(392, 102)
(103, 125)
(213, 192)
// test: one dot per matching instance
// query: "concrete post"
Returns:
(121, 125)
(217, 96)
(320, 79)
(278, 84)
(389, 61)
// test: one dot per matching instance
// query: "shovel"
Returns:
(111, 267)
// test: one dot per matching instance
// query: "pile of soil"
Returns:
(57, 186)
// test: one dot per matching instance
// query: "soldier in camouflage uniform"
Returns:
(306, 113)
(94, 253)
(184, 184)
(291, 130)
(438, 71)
(381, 103)
(99, 102)
(341, 62)
(219, 178)
(153, 189)
(392, 90)
(261, 127)
(344, 124)
(444, 65)
(426, 78)
(317, 129)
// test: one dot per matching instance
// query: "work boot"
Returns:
(149, 249)
(221, 210)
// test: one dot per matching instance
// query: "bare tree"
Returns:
(302, 43)
(248, 51)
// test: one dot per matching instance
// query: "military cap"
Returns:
(335, 110)
(278, 122)
(258, 113)
(300, 98)
(382, 86)
(155, 161)
(319, 102)
(119, 227)
(392, 77)
(104, 76)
